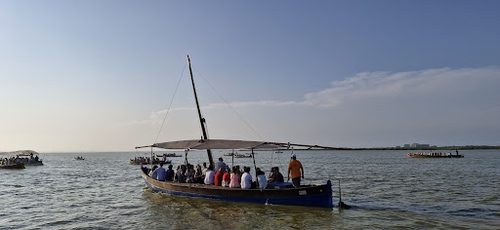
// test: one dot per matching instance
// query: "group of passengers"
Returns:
(29, 160)
(11, 161)
(434, 154)
(146, 160)
(18, 160)
(218, 174)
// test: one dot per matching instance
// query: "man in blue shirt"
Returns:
(160, 173)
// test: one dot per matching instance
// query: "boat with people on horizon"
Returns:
(26, 157)
(283, 193)
(238, 155)
(147, 161)
(169, 155)
(435, 155)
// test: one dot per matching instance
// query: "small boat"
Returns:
(282, 194)
(238, 155)
(27, 157)
(434, 155)
(145, 161)
(170, 155)
(242, 156)
(80, 158)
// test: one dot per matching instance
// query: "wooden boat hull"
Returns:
(311, 195)
(14, 166)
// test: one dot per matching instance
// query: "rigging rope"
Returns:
(170, 105)
(234, 110)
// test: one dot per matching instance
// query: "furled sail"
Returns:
(215, 144)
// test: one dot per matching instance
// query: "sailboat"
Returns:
(284, 194)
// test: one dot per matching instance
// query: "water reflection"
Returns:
(183, 212)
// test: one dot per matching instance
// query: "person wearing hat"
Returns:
(295, 168)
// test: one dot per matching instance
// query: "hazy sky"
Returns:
(100, 75)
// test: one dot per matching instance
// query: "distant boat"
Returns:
(27, 157)
(238, 155)
(243, 156)
(434, 155)
(169, 155)
(147, 161)
(80, 158)
(283, 193)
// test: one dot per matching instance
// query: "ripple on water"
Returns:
(386, 189)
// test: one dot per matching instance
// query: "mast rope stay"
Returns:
(170, 105)
(234, 110)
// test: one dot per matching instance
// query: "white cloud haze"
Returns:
(436, 106)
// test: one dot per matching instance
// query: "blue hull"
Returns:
(314, 195)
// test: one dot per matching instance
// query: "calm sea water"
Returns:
(387, 189)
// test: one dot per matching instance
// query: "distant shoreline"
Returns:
(463, 147)
(449, 148)
(444, 148)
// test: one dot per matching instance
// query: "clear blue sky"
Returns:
(99, 75)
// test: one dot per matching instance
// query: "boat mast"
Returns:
(202, 120)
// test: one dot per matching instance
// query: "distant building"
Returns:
(406, 145)
(417, 145)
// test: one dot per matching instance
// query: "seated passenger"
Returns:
(276, 176)
(181, 174)
(210, 175)
(235, 178)
(190, 174)
(160, 173)
(152, 173)
(198, 174)
(169, 174)
(261, 178)
(218, 177)
(246, 178)
(175, 174)
(226, 178)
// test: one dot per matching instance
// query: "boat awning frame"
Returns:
(21, 153)
(228, 144)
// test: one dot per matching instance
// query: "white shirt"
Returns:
(262, 181)
(246, 180)
(209, 177)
